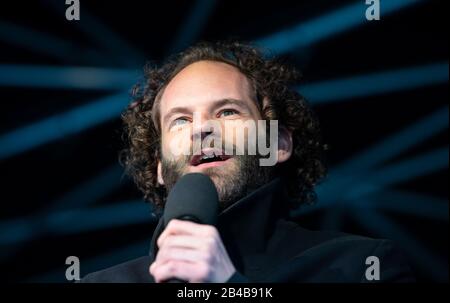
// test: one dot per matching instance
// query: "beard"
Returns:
(233, 180)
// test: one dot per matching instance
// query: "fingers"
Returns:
(191, 252)
(181, 227)
(185, 249)
(190, 272)
(183, 241)
(181, 254)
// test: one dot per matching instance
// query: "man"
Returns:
(231, 84)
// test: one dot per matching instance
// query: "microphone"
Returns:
(193, 198)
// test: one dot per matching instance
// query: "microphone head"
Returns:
(193, 197)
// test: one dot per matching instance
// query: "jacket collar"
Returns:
(247, 225)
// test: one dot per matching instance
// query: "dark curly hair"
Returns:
(271, 80)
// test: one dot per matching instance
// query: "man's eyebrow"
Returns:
(176, 110)
(228, 101)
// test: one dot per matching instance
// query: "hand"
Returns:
(191, 252)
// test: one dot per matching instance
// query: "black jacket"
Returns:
(265, 246)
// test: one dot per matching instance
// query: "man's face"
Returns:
(217, 92)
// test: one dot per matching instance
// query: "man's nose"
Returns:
(201, 134)
(203, 126)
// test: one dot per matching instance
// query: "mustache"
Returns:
(225, 148)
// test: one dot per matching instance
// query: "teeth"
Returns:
(207, 157)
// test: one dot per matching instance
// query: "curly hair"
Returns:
(271, 81)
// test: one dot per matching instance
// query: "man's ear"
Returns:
(159, 172)
(284, 144)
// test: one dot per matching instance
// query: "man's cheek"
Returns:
(240, 137)
(177, 144)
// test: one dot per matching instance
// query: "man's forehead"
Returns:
(203, 82)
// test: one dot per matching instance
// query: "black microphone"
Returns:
(193, 198)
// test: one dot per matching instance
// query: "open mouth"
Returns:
(213, 158)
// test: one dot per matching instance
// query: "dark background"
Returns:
(379, 89)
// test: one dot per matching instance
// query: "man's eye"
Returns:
(227, 112)
(179, 121)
